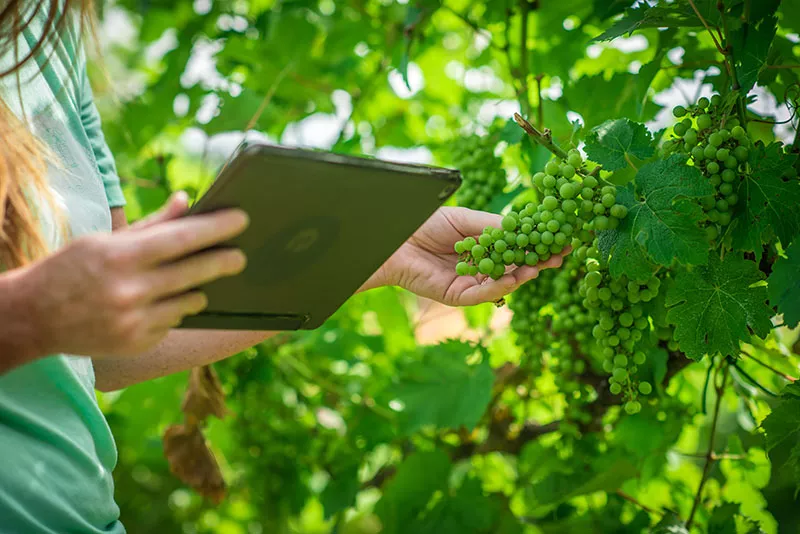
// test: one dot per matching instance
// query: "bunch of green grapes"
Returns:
(719, 146)
(528, 322)
(481, 170)
(572, 205)
(547, 320)
(621, 321)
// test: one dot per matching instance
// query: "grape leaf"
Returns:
(627, 256)
(664, 221)
(782, 428)
(714, 307)
(468, 510)
(613, 143)
(462, 391)
(408, 493)
(723, 519)
(341, 491)
(644, 16)
(784, 285)
(768, 200)
(752, 44)
(559, 487)
(670, 524)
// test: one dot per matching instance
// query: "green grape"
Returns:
(615, 389)
(550, 203)
(509, 223)
(620, 360)
(575, 160)
(704, 122)
(531, 259)
(645, 388)
(609, 199)
(500, 246)
(620, 375)
(716, 100)
(741, 153)
(462, 268)
(679, 129)
(712, 167)
(568, 170)
(715, 139)
(498, 271)
(619, 211)
(486, 266)
(459, 247)
(549, 182)
(722, 154)
(632, 407)
(469, 242)
(703, 103)
(478, 252)
(485, 240)
(679, 111)
(552, 168)
(538, 179)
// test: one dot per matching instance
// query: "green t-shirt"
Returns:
(57, 449)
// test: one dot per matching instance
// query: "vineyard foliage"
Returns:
(647, 386)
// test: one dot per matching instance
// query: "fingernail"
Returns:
(181, 197)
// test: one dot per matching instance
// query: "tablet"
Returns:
(320, 225)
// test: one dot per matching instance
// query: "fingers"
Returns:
(175, 207)
(471, 222)
(170, 312)
(172, 240)
(194, 271)
(490, 290)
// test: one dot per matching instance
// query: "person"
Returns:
(88, 302)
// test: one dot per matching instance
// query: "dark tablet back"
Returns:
(320, 225)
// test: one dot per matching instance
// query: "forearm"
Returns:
(19, 339)
(179, 351)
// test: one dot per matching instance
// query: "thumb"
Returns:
(175, 207)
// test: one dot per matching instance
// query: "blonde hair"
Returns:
(23, 168)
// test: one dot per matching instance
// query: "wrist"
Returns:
(21, 338)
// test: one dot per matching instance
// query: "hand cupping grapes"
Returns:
(573, 205)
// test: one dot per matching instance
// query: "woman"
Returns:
(71, 286)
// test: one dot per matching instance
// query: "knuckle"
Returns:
(129, 329)
(124, 296)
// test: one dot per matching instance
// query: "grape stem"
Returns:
(634, 501)
(710, 455)
(763, 364)
(543, 138)
(703, 20)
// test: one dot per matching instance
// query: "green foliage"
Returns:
(714, 307)
(462, 390)
(612, 143)
(784, 285)
(664, 218)
(533, 421)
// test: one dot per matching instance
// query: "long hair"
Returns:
(23, 188)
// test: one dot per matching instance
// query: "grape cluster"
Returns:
(481, 170)
(548, 321)
(571, 207)
(528, 322)
(621, 321)
(717, 145)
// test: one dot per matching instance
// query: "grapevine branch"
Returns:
(764, 364)
(543, 138)
(703, 20)
(635, 502)
(710, 455)
(524, 97)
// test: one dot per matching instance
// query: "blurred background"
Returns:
(304, 447)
